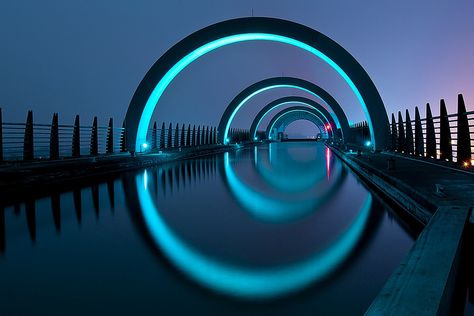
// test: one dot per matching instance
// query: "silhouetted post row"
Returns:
(447, 137)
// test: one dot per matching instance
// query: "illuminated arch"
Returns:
(282, 82)
(285, 117)
(178, 57)
(291, 100)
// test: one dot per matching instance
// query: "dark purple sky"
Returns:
(87, 57)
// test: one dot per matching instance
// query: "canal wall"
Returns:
(440, 198)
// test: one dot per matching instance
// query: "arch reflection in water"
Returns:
(274, 206)
(238, 280)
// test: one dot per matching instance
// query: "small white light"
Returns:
(368, 143)
(145, 145)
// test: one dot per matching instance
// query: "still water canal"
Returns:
(279, 229)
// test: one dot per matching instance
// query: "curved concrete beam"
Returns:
(282, 82)
(283, 118)
(201, 42)
(293, 100)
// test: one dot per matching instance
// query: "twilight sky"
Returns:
(88, 57)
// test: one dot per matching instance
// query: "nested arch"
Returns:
(285, 117)
(178, 57)
(325, 115)
(282, 82)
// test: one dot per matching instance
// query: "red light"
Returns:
(328, 126)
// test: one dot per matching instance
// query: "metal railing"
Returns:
(33, 141)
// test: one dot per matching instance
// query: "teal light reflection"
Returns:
(285, 103)
(243, 282)
(188, 59)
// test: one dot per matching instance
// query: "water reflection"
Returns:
(319, 179)
(201, 238)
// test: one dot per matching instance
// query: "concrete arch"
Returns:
(282, 82)
(283, 118)
(293, 100)
(178, 57)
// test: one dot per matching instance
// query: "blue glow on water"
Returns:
(243, 282)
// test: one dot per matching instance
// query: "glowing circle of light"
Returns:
(139, 136)
(282, 104)
(278, 117)
(243, 282)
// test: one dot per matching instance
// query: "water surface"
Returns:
(280, 229)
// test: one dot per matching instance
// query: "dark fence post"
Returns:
(409, 134)
(169, 143)
(54, 138)
(207, 135)
(123, 138)
(401, 133)
(188, 136)
(193, 138)
(445, 148)
(419, 149)
(109, 145)
(215, 135)
(154, 137)
(94, 146)
(1, 136)
(162, 136)
(28, 146)
(198, 137)
(203, 136)
(176, 136)
(76, 138)
(394, 133)
(463, 135)
(430, 134)
(183, 137)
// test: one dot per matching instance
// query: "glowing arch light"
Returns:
(229, 32)
(280, 117)
(310, 104)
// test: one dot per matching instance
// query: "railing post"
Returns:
(207, 135)
(198, 138)
(109, 145)
(430, 134)
(193, 138)
(1, 136)
(394, 133)
(76, 138)
(162, 136)
(401, 133)
(188, 136)
(182, 139)
(446, 150)
(28, 146)
(154, 137)
(94, 145)
(419, 149)
(409, 134)
(176, 136)
(215, 135)
(123, 137)
(170, 136)
(54, 138)
(463, 135)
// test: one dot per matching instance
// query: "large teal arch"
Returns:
(281, 82)
(291, 100)
(178, 57)
(281, 118)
